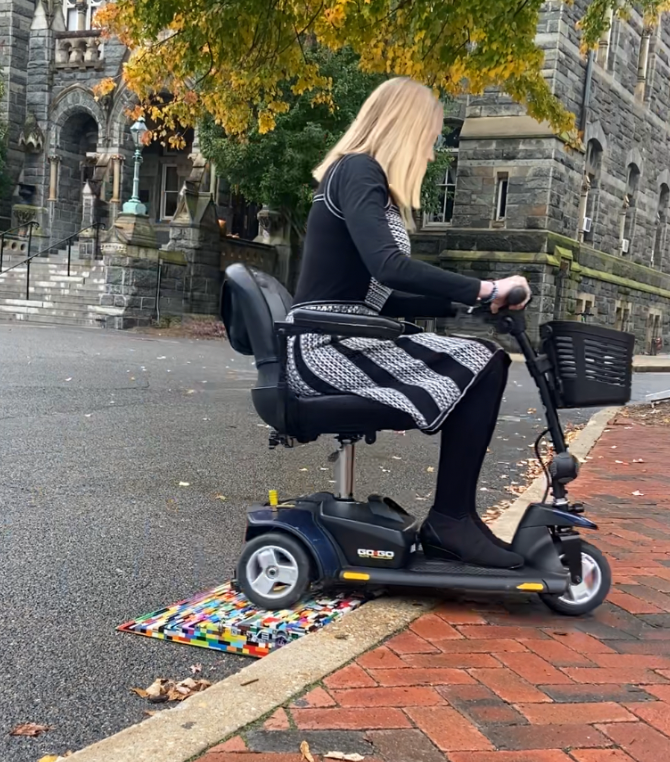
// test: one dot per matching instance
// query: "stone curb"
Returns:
(505, 525)
(179, 734)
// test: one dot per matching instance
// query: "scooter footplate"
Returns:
(425, 565)
(455, 575)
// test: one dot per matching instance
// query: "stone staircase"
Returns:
(55, 297)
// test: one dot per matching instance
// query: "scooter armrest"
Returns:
(340, 324)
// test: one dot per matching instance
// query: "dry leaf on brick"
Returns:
(30, 729)
(637, 493)
(345, 757)
(305, 753)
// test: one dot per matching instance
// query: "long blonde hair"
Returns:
(395, 126)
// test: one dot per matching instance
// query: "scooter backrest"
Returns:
(251, 302)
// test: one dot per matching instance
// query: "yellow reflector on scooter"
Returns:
(355, 575)
(535, 587)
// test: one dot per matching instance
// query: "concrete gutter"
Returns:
(176, 735)
(189, 729)
(505, 525)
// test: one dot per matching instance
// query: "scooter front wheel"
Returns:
(273, 571)
(590, 592)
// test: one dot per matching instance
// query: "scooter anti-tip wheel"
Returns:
(274, 571)
(590, 592)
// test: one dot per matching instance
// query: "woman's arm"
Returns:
(362, 195)
(401, 305)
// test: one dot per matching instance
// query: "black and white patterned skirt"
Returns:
(424, 375)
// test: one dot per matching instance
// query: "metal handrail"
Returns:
(68, 240)
(30, 225)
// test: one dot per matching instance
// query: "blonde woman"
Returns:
(357, 259)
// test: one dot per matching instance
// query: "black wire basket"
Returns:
(592, 366)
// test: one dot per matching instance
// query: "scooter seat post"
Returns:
(344, 471)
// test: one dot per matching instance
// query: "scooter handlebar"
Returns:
(517, 295)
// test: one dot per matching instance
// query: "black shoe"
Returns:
(463, 540)
(490, 533)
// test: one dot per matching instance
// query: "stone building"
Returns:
(70, 154)
(588, 227)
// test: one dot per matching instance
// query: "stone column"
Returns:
(643, 64)
(54, 161)
(115, 201)
(81, 7)
(605, 40)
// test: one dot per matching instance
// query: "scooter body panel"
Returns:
(331, 529)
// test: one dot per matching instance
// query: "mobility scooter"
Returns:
(333, 540)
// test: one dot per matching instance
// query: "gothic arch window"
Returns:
(448, 143)
(660, 230)
(628, 209)
(590, 190)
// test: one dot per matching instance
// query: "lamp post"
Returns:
(135, 206)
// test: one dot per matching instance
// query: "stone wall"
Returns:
(560, 272)
(15, 20)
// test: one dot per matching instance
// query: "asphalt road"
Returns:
(97, 430)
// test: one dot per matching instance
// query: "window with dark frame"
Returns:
(502, 183)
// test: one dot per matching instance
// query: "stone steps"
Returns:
(20, 310)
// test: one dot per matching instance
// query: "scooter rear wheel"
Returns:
(591, 592)
(273, 571)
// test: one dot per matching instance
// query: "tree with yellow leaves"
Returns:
(241, 60)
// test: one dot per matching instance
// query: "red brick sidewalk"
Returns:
(508, 681)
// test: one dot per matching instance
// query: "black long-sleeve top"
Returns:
(355, 238)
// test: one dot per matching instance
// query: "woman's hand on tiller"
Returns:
(505, 287)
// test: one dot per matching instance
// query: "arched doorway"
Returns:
(77, 149)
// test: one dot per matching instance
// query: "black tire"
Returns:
(562, 605)
(285, 548)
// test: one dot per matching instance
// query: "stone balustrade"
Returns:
(79, 50)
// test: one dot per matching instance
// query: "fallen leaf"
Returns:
(184, 484)
(220, 497)
(191, 391)
(304, 469)
(49, 758)
(140, 692)
(430, 469)
(161, 358)
(345, 757)
(158, 691)
(305, 753)
(69, 379)
(613, 447)
(532, 411)
(151, 712)
(637, 493)
(638, 460)
(396, 457)
(30, 729)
